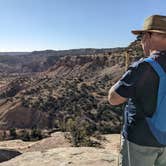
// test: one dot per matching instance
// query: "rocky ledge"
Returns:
(82, 156)
(57, 151)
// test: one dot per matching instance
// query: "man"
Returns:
(139, 87)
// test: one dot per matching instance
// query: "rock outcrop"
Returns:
(83, 156)
(57, 151)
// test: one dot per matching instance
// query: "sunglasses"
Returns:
(141, 35)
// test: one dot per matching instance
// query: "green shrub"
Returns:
(13, 133)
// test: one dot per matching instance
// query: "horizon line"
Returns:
(22, 51)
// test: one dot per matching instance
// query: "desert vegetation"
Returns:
(70, 95)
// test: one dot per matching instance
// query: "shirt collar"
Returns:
(158, 53)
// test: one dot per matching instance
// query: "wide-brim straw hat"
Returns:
(155, 23)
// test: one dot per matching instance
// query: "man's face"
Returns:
(146, 43)
(152, 42)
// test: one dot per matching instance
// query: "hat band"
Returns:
(154, 28)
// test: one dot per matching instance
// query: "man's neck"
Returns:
(156, 51)
(153, 51)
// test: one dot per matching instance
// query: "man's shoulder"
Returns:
(139, 64)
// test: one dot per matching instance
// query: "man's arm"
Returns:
(125, 88)
(114, 98)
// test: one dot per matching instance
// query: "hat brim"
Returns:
(137, 32)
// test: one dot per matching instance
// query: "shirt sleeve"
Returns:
(126, 86)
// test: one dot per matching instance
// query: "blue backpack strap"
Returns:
(162, 75)
(157, 121)
(156, 66)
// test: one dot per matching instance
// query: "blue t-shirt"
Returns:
(140, 85)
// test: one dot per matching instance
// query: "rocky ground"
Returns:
(57, 151)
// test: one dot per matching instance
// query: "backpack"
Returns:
(157, 123)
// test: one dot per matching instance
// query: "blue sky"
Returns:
(27, 25)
